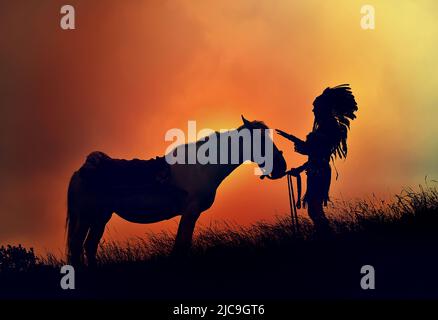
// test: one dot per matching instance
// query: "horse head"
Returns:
(278, 161)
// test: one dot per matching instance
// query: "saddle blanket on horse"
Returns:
(130, 176)
(105, 172)
(130, 187)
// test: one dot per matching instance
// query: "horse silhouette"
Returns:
(147, 191)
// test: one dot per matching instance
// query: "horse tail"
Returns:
(77, 224)
(72, 220)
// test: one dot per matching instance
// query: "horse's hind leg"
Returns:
(77, 243)
(95, 233)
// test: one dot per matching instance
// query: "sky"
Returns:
(131, 70)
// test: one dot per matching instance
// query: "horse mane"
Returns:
(256, 124)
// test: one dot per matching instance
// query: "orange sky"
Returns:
(134, 69)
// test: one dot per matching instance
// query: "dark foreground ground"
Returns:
(266, 261)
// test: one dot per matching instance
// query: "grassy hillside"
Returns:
(267, 260)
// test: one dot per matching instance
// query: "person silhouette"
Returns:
(333, 111)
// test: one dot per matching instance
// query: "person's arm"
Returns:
(298, 170)
(288, 136)
(300, 145)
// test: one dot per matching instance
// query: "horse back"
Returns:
(100, 169)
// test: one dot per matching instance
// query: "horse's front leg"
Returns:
(184, 235)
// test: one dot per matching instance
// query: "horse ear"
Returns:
(245, 122)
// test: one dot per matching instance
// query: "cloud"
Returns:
(67, 93)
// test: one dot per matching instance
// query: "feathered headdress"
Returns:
(339, 102)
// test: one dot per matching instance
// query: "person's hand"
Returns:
(294, 171)
(300, 147)
(282, 133)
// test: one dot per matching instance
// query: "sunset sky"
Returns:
(134, 69)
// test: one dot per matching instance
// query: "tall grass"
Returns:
(264, 260)
(412, 212)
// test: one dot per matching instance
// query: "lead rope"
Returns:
(292, 204)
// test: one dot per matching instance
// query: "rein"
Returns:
(292, 204)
